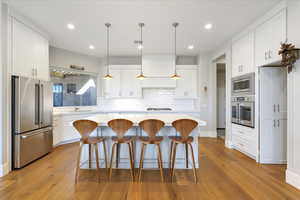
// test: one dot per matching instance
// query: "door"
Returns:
(186, 86)
(246, 113)
(25, 104)
(41, 57)
(235, 112)
(46, 103)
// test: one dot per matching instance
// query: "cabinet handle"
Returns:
(274, 123)
(33, 72)
(278, 121)
(278, 108)
(274, 108)
(266, 56)
(270, 54)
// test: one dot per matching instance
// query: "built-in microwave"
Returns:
(243, 85)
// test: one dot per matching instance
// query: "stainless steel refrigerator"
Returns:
(31, 119)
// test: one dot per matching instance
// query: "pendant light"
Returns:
(107, 76)
(175, 76)
(141, 76)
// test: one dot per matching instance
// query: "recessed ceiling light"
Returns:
(71, 26)
(208, 26)
(190, 47)
(91, 47)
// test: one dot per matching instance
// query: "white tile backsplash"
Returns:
(151, 98)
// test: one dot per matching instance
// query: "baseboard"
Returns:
(66, 142)
(292, 178)
(4, 169)
(208, 134)
(228, 144)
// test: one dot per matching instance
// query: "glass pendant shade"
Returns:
(108, 77)
(175, 77)
(141, 77)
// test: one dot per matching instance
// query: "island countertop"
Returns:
(103, 119)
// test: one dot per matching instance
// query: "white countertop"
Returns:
(85, 112)
(103, 119)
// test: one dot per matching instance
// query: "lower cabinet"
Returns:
(244, 139)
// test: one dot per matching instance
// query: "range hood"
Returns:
(158, 70)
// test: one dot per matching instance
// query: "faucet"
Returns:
(76, 109)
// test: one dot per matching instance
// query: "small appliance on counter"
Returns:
(243, 100)
(32, 102)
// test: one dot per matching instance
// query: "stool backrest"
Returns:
(120, 126)
(151, 126)
(184, 126)
(85, 127)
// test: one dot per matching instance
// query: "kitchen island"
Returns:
(150, 154)
(63, 128)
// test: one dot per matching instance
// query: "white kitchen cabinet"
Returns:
(130, 85)
(242, 55)
(273, 117)
(124, 84)
(268, 37)
(158, 65)
(30, 56)
(186, 86)
(244, 139)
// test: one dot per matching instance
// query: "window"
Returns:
(73, 89)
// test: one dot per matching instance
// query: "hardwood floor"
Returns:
(223, 174)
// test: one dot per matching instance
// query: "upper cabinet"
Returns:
(187, 86)
(242, 55)
(268, 37)
(124, 84)
(30, 52)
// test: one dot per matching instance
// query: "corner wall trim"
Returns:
(4, 169)
(292, 178)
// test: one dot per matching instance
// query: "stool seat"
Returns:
(125, 139)
(92, 140)
(182, 140)
(151, 140)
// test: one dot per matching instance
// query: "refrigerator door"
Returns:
(25, 101)
(46, 104)
(31, 146)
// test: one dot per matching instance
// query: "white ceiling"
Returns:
(227, 16)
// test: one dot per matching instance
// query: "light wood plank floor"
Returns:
(223, 174)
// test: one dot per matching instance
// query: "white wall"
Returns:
(293, 168)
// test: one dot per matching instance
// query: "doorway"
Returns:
(221, 100)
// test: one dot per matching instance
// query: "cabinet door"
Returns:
(187, 84)
(112, 87)
(41, 57)
(277, 26)
(22, 50)
(268, 37)
(262, 37)
(236, 65)
(130, 85)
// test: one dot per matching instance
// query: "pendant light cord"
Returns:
(141, 49)
(175, 47)
(107, 48)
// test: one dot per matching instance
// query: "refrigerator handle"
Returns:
(41, 104)
(37, 104)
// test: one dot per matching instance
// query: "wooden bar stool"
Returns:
(184, 127)
(120, 127)
(151, 127)
(85, 128)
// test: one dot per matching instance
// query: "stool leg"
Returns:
(105, 155)
(173, 161)
(141, 161)
(78, 163)
(160, 162)
(112, 159)
(194, 165)
(131, 161)
(132, 153)
(170, 158)
(118, 156)
(97, 161)
(90, 156)
(186, 156)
